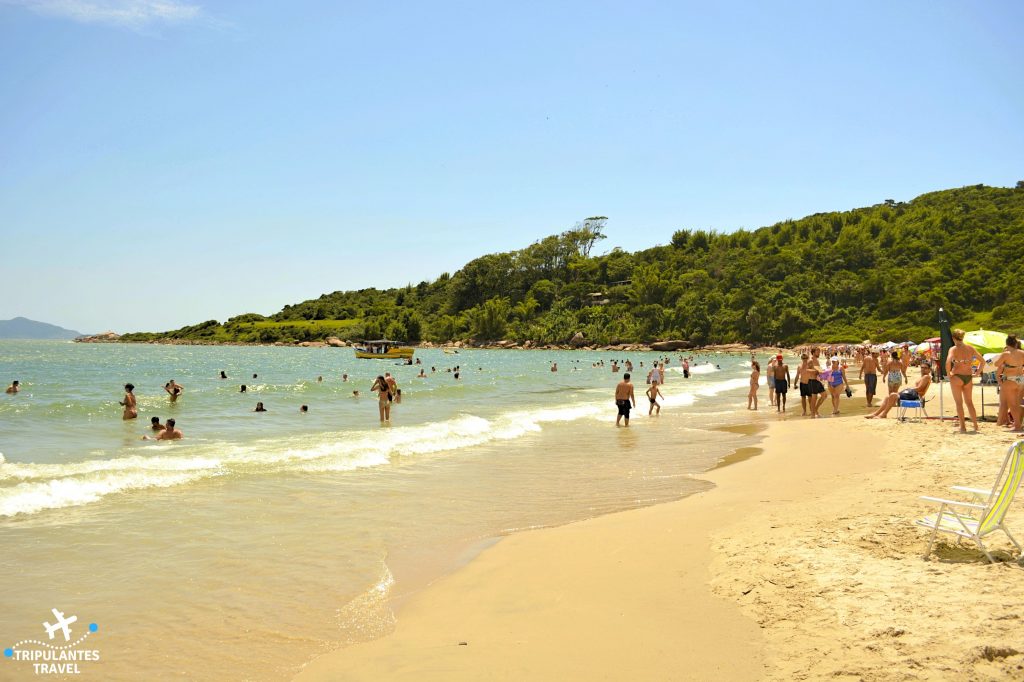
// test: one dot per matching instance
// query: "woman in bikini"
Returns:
(130, 407)
(960, 368)
(755, 379)
(1010, 369)
(383, 391)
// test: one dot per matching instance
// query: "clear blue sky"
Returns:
(167, 162)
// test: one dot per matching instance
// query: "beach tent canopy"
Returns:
(986, 341)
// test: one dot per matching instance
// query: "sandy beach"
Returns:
(802, 563)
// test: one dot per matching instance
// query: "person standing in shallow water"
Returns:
(624, 398)
(755, 380)
(383, 391)
(653, 393)
(129, 403)
(14, 387)
(782, 381)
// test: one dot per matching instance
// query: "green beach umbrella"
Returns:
(986, 341)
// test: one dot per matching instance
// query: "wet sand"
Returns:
(802, 563)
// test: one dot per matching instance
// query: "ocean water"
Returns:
(265, 539)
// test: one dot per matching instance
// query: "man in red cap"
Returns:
(780, 373)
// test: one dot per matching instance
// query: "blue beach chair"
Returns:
(907, 405)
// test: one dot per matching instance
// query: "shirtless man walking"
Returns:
(869, 372)
(814, 386)
(782, 380)
(802, 376)
(624, 398)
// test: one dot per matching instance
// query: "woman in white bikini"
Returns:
(961, 371)
(1010, 369)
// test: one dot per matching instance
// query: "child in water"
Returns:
(653, 393)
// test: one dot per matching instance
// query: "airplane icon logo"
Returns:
(61, 624)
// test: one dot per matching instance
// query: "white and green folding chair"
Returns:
(974, 520)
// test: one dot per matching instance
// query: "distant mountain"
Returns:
(23, 328)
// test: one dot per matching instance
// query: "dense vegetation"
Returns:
(878, 272)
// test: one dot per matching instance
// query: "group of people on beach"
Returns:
(964, 363)
(625, 397)
(816, 382)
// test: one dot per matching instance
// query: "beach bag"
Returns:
(909, 394)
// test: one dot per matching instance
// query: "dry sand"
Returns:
(802, 563)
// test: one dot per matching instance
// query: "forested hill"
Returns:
(878, 272)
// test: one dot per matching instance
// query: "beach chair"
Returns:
(974, 520)
(916, 405)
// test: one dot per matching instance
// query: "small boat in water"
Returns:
(383, 349)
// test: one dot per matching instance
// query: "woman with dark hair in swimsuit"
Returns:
(130, 406)
(1010, 369)
(960, 367)
(383, 391)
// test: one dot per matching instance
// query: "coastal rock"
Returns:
(728, 348)
(335, 342)
(671, 345)
(102, 337)
(528, 344)
(577, 340)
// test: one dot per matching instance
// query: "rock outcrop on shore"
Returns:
(102, 337)
(671, 345)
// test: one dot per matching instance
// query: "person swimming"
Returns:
(260, 408)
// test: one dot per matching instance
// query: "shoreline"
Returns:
(484, 597)
(802, 562)
(667, 346)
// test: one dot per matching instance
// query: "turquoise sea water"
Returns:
(264, 539)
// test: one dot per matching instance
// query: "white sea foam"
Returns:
(28, 498)
(723, 386)
(28, 488)
(697, 369)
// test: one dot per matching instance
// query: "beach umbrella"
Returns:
(945, 343)
(986, 341)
